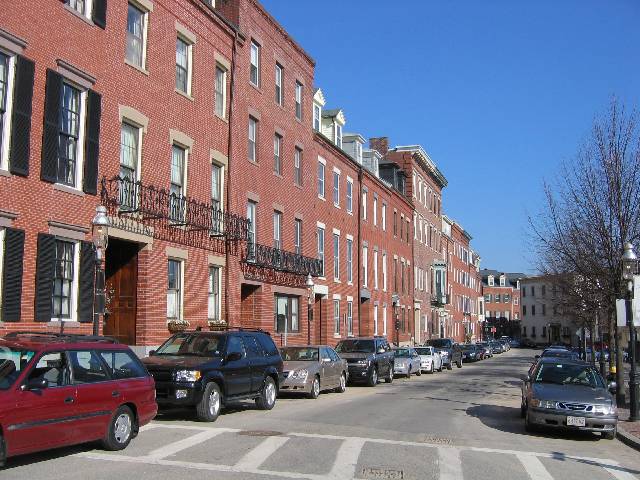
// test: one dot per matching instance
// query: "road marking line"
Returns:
(534, 467)
(183, 444)
(258, 455)
(619, 474)
(449, 463)
(344, 466)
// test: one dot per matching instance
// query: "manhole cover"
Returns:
(438, 440)
(260, 433)
(382, 473)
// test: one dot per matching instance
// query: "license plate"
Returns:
(576, 421)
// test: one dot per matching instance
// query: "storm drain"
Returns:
(375, 473)
(260, 433)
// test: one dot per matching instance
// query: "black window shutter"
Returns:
(87, 277)
(92, 147)
(99, 13)
(12, 263)
(45, 265)
(53, 94)
(21, 117)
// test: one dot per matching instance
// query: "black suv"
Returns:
(368, 358)
(449, 350)
(210, 369)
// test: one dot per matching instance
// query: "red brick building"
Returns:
(501, 291)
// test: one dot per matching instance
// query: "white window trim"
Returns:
(375, 211)
(87, 12)
(336, 255)
(190, 44)
(258, 59)
(2, 230)
(384, 272)
(225, 72)
(73, 303)
(349, 207)
(219, 312)
(222, 175)
(322, 194)
(375, 269)
(5, 128)
(140, 128)
(383, 214)
(336, 198)
(182, 263)
(145, 7)
(81, 138)
(187, 151)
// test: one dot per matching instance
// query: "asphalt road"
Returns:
(461, 424)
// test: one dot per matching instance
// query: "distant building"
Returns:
(501, 292)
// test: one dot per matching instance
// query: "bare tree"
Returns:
(591, 209)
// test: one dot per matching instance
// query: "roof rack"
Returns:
(62, 336)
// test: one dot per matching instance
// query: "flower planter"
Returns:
(175, 327)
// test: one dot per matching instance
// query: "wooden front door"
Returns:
(122, 282)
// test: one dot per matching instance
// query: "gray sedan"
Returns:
(407, 362)
(311, 369)
(567, 394)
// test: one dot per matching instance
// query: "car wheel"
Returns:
(612, 434)
(315, 388)
(120, 429)
(523, 410)
(373, 377)
(208, 408)
(389, 378)
(528, 426)
(267, 398)
(459, 363)
(343, 383)
(449, 366)
(3, 452)
(409, 373)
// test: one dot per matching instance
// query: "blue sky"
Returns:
(497, 91)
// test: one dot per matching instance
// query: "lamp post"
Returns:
(100, 234)
(395, 300)
(309, 284)
(465, 324)
(629, 269)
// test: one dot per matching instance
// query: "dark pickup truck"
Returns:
(450, 351)
(368, 359)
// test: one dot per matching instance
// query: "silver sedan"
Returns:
(407, 362)
(311, 369)
(430, 359)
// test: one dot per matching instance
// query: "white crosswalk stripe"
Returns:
(534, 467)
(181, 445)
(449, 463)
(259, 454)
(347, 459)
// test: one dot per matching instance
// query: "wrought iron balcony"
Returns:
(125, 196)
(278, 259)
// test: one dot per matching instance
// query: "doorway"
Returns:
(121, 272)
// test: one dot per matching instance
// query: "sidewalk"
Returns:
(628, 432)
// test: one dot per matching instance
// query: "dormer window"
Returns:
(317, 115)
(339, 135)
(491, 281)
(502, 280)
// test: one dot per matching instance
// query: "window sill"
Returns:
(136, 67)
(66, 189)
(337, 335)
(299, 120)
(279, 175)
(5, 173)
(255, 86)
(253, 162)
(337, 206)
(66, 323)
(350, 212)
(322, 198)
(75, 13)
(184, 94)
(337, 280)
(224, 119)
(297, 186)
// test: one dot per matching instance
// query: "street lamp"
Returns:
(100, 233)
(465, 324)
(395, 301)
(629, 269)
(309, 284)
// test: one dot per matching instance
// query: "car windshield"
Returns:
(197, 344)
(424, 350)
(356, 346)
(12, 362)
(402, 352)
(568, 374)
(440, 343)
(468, 347)
(300, 354)
(558, 354)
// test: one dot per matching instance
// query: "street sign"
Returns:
(493, 330)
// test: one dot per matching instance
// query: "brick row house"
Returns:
(234, 195)
(502, 299)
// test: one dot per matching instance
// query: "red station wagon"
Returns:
(59, 389)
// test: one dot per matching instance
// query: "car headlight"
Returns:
(543, 403)
(301, 374)
(444, 354)
(188, 375)
(604, 409)
(363, 362)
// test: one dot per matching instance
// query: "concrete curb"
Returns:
(628, 438)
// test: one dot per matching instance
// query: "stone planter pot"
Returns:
(176, 327)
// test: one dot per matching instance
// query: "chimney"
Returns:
(381, 144)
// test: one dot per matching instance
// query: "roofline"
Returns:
(427, 164)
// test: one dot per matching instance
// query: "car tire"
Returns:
(409, 373)
(612, 434)
(449, 366)
(459, 363)
(389, 378)
(209, 406)
(120, 429)
(372, 381)
(528, 426)
(315, 388)
(343, 383)
(419, 371)
(523, 410)
(267, 398)
(3, 452)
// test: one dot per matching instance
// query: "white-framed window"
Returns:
(184, 60)
(317, 116)
(7, 66)
(137, 22)
(490, 281)
(277, 230)
(336, 188)
(336, 317)
(1, 268)
(214, 294)
(297, 166)
(277, 148)
(384, 321)
(321, 168)
(364, 204)
(221, 92)
(349, 260)
(383, 217)
(320, 237)
(217, 196)
(64, 298)
(375, 319)
(339, 135)
(365, 267)
(174, 289)
(375, 269)
(298, 100)
(297, 236)
(336, 257)
(252, 208)
(253, 139)
(71, 136)
(384, 272)
(279, 81)
(350, 318)
(502, 280)
(254, 69)
(83, 7)
(130, 155)
(349, 195)
(375, 211)
(177, 183)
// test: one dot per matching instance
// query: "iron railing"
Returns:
(278, 259)
(125, 196)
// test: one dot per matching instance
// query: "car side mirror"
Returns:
(326, 360)
(613, 387)
(527, 379)
(35, 384)
(381, 350)
(537, 357)
(234, 356)
(152, 353)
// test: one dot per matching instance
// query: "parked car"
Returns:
(471, 353)
(430, 359)
(567, 394)
(449, 351)
(527, 343)
(312, 369)
(514, 343)
(208, 370)
(496, 347)
(558, 353)
(488, 352)
(504, 345)
(369, 359)
(58, 390)
(406, 362)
